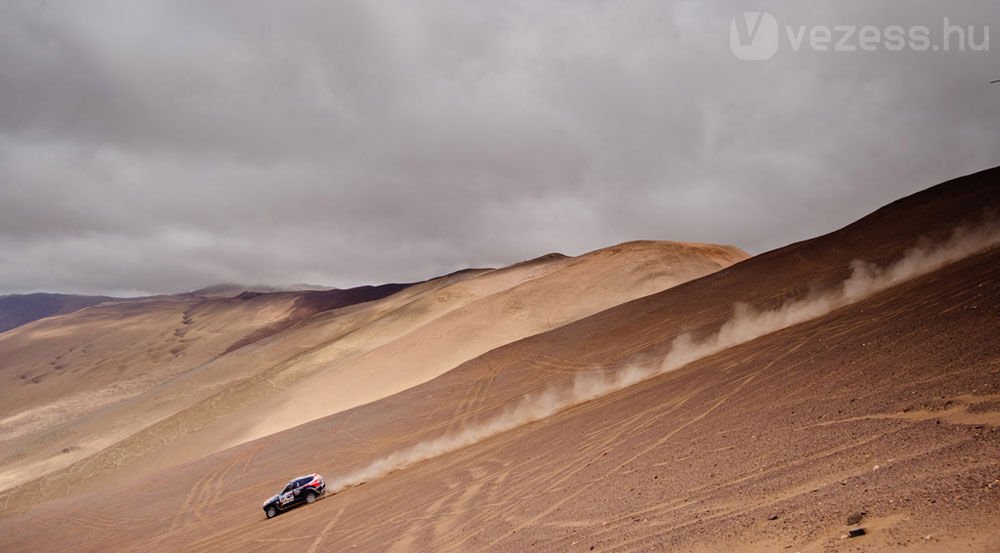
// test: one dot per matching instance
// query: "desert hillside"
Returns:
(115, 391)
(68, 378)
(842, 391)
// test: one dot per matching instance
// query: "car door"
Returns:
(287, 495)
(297, 491)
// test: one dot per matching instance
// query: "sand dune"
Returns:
(568, 290)
(887, 407)
(281, 367)
(78, 383)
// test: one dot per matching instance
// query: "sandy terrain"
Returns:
(266, 362)
(567, 290)
(78, 383)
(888, 408)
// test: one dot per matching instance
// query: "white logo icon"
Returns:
(755, 38)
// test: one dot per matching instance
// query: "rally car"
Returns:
(304, 489)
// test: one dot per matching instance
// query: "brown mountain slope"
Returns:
(887, 406)
(300, 366)
(579, 287)
(63, 375)
(140, 343)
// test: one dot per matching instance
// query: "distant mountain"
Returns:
(229, 289)
(21, 309)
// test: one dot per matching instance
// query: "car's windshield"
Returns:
(288, 487)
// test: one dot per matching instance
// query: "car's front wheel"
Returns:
(311, 497)
(271, 511)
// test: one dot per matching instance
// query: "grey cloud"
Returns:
(154, 146)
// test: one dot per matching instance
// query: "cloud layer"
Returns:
(153, 147)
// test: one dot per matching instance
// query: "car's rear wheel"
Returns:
(311, 497)
(271, 511)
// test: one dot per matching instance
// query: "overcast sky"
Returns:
(153, 147)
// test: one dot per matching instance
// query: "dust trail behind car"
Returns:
(745, 325)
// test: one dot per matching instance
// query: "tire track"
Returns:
(314, 546)
(213, 492)
(657, 443)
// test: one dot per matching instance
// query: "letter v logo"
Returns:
(755, 38)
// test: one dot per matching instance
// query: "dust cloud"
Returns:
(746, 324)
